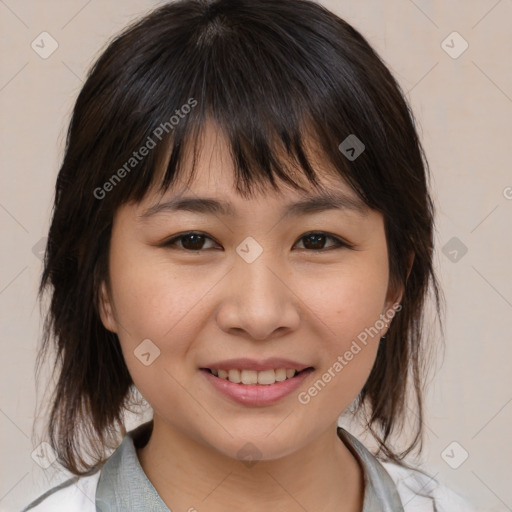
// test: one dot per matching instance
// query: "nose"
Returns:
(258, 301)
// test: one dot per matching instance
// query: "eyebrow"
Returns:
(206, 205)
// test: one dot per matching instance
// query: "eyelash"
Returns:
(340, 244)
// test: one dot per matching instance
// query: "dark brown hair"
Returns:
(271, 74)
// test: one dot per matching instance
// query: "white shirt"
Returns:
(122, 485)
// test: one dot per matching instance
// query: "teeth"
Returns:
(265, 377)
(234, 376)
(249, 377)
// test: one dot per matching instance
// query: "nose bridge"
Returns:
(258, 302)
(256, 283)
(258, 278)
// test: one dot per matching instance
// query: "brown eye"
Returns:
(189, 241)
(316, 241)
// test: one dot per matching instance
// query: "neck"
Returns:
(322, 476)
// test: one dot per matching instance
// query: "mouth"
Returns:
(256, 388)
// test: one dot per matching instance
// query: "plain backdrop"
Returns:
(462, 99)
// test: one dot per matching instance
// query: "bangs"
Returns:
(261, 156)
(270, 93)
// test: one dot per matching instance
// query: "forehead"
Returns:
(214, 177)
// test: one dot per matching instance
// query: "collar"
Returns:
(124, 487)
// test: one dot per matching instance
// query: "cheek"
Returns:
(347, 301)
(154, 301)
(346, 308)
(152, 297)
(153, 304)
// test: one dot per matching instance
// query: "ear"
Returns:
(106, 309)
(394, 297)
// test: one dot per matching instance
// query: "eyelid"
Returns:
(340, 242)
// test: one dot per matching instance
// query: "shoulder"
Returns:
(77, 494)
(421, 492)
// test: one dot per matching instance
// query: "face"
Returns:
(306, 286)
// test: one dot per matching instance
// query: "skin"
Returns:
(293, 301)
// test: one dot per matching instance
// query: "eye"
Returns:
(195, 241)
(316, 240)
(191, 241)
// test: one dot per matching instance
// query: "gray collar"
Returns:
(380, 492)
(124, 487)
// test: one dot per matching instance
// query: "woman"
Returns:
(243, 233)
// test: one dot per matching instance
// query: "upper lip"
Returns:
(272, 363)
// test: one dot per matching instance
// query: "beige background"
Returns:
(463, 106)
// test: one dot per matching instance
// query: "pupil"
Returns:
(317, 240)
(197, 242)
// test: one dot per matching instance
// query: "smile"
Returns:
(249, 390)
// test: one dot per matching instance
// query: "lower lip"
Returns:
(256, 394)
